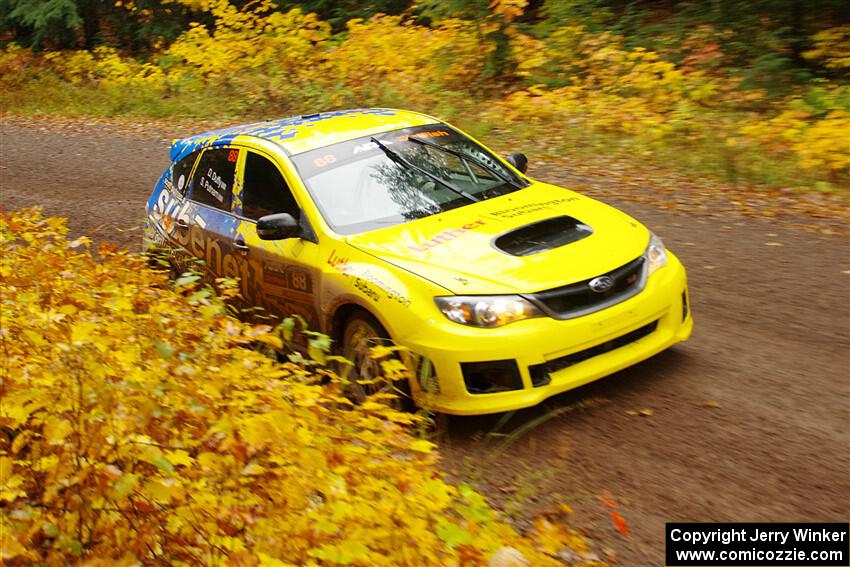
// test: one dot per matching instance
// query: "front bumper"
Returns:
(600, 343)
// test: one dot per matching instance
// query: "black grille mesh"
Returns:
(541, 370)
(580, 297)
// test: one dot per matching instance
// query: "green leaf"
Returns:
(163, 464)
(186, 279)
(163, 349)
(75, 547)
(318, 347)
(453, 534)
(287, 328)
(126, 485)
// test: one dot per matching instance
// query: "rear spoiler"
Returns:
(177, 147)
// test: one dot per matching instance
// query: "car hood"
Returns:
(461, 250)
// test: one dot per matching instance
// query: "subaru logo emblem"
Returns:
(601, 284)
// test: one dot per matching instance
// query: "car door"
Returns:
(208, 223)
(283, 277)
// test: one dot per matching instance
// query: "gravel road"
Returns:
(750, 419)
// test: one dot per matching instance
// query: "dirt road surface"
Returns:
(750, 419)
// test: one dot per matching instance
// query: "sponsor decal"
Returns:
(431, 134)
(390, 292)
(283, 289)
(364, 280)
(335, 261)
(530, 208)
(364, 287)
(446, 236)
(288, 290)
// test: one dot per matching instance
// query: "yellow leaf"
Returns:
(270, 340)
(269, 561)
(163, 490)
(10, 489)
(5, 469)
(12, 548)
(422, 446)
(82, 331)
(179, 457)
(68, 309)
(35, 338)
(56, 430)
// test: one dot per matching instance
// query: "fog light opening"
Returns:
(491, 377)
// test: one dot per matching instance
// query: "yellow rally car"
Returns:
(380, 222)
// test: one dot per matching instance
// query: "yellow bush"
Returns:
(778, 133)
(571, 79)
(609, 87)
(136, 427)
(388, 53)
(256, 37)
(819, 142)
(826, 143)
(107, 67)
(14, 62)
(832, 46)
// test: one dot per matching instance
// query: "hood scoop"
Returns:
(542, 236)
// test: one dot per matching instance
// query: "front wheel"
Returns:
(362, 332)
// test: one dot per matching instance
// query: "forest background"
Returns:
(755, 93)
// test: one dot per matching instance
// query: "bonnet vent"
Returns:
(542, 236)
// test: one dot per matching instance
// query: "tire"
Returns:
(361, 332)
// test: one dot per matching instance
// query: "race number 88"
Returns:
(299, 280)
(324, 160)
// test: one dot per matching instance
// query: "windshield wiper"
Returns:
(396, 158)
(462, 156)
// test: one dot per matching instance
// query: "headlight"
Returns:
(656, 254)
(486, 311)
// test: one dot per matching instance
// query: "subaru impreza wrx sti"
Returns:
(388, 223)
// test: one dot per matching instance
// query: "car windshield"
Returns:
(399, 176)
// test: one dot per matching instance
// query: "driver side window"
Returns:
(264, 191)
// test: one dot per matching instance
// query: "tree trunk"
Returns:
(91, 14)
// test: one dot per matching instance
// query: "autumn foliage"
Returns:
(559, 85)
(137, 424)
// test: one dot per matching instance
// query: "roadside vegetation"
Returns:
(751, 92)
(141, 423)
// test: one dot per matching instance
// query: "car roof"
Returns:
(307, 132)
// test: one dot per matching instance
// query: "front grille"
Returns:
(578, 299)
(541, 370)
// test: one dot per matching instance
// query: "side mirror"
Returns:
(278, 226)
(519, 161)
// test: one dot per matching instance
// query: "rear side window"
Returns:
(181, 172)
(264, 190)
(212, 184)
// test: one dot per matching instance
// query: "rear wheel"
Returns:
(362, 332)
